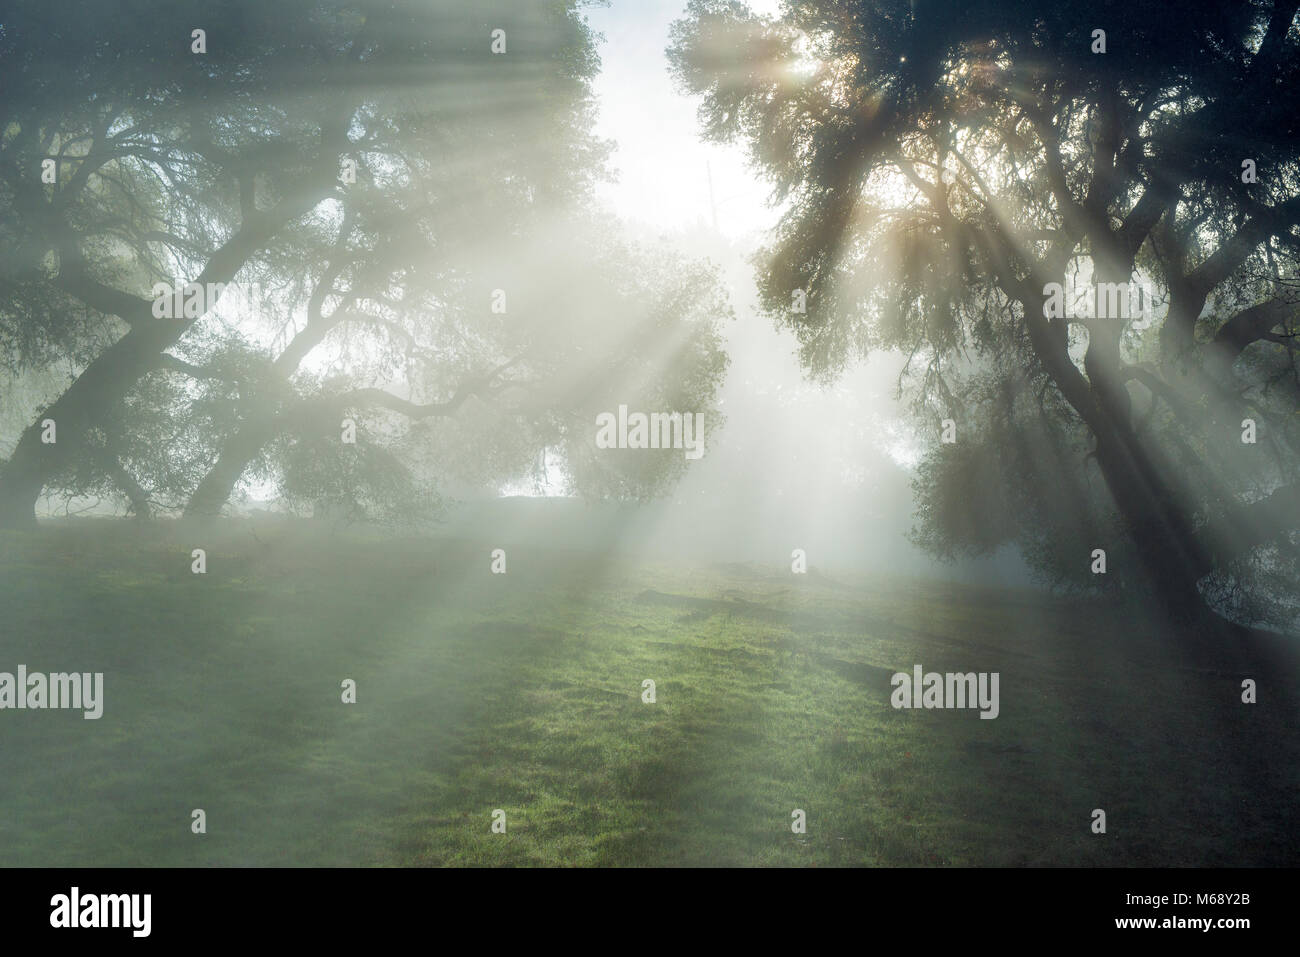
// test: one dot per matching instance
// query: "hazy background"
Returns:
(360, 576)
(796, 465)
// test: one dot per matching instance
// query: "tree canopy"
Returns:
(248, 222)
(948, 170)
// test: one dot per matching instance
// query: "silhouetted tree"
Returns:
(944, 164)
(438, 384)
(220, 158)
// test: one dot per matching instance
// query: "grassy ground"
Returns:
(523, 692)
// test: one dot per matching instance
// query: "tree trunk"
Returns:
(214, 491)
(1160, 530)
(112, 374)
(21, 482)
(103, 384)
(1136, 476)
(1173, 559)
(141, 506)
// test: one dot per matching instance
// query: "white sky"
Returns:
(663, 167)
(663, 183)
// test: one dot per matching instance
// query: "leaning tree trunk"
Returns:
(103, 384)
(21, 482)
(140, 503)
(1148, 502)
(112, 374)
(218, 485)
(1160, 530)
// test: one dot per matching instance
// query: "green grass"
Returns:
(523, 692)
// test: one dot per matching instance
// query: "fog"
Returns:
(653, 432)
(790, 463)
